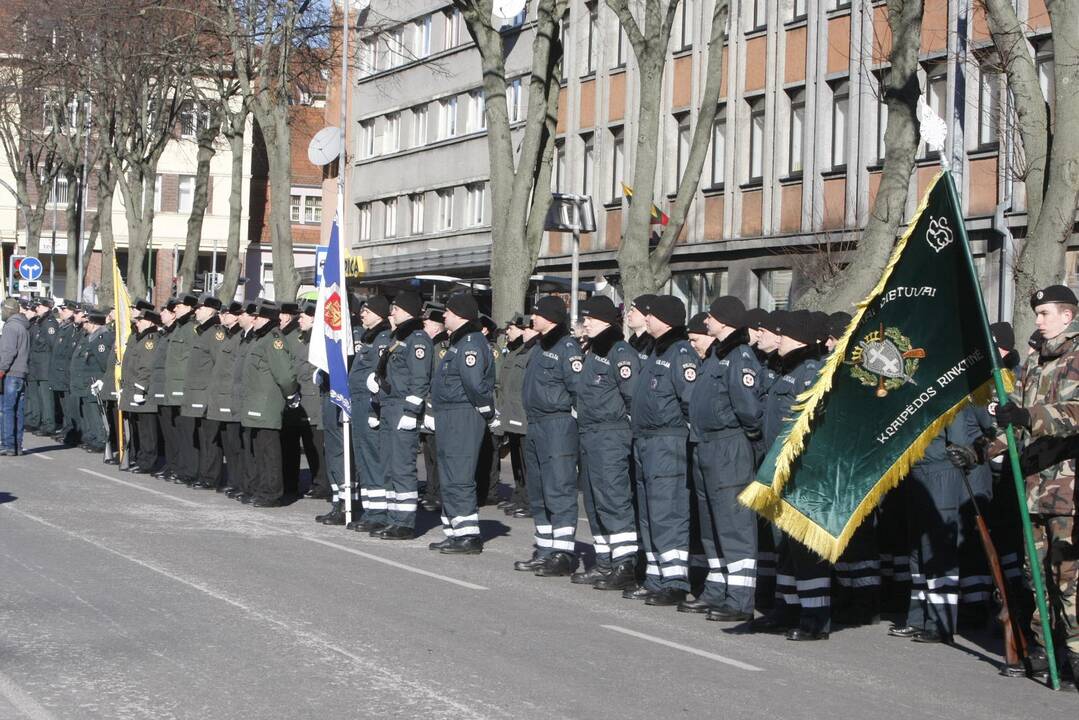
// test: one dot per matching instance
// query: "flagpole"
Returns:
(1013, 453)
(342, 165)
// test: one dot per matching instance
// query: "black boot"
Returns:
(589, 576)
(468, 545)
(336, 515)
(559, 564)
(528, 565)
(622, 576)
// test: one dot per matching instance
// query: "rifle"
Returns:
(1015, 643)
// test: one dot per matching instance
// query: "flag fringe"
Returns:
(767, 501)
(808, 401)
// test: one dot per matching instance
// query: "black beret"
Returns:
(410, 302)
(210, 301)
(519, 320)
(97, 317)
(187, 299)
(775, 322)
(551, 308)
(601, 308)
(151, 316)
(171, 303)
(290, 308)
(800, 325)
(47, 302)
(308, 307)
(435, 313)
(697, 325)
(643, 302)
(268, 309)
(234, 308)
(489, 325)
(669, 310)
(837, 323)
(822, 325)
(464, 306)
(756, 318)
(728, 310)
(142, 305)
(379, 305)
(1053, 294)
(251, 308)
(1003, 335)
(70, 305)
(355, 304)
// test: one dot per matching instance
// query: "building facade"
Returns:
(793, 165)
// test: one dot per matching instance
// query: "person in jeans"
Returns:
(14, 356)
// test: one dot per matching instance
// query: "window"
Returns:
(295, 208)
(758, 14)
(389, 211)
(1046, 68)
(618, 161)
(620, 50)
(193, 118)
(563, 30)
(719, 146)
(416, 204)
(697, 289)
(451, 37)
(477, 117)
(395, 46)
(798, 9)
(840, 5)
(369, 56)
(419, 126)
(445, 209)
(882, 121)
(477, 198)
(795, 128)
(587, 163)
(514, 100)
(685, 30)
(59, 195)
(840, 116)
(312, 209)
(365, 222)
(756, 140)
(988, 107)
(367, 138)
(391, 139)
(593, 40)
(305, 206)
(774, 288)
(681, 149)
(186, 191)
(157, 193)
(558, 177)
(447, 118)
(421, 37)
(936, 92)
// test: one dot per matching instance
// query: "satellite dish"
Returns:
(508, 9)
(360, 5)
(325, 146)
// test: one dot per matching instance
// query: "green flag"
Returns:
(914, 354)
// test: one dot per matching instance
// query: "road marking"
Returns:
(369, 665)
(41, 455)
(189, 503)
(685, 648)
(391, 563)
(25, 704)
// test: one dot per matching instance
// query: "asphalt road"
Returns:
(126, 597)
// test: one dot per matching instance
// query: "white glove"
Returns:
(96, 387)
(372, 384)
(138, 399)
(429, 422)
(314, 377)
(573, 412)
(372, 422)
(294, 400)
(407, 422)
(495, 424)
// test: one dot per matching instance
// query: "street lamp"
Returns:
(573, 213)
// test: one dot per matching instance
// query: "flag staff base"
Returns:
(346, 433)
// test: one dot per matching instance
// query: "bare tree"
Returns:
(644, 270)
(204, 113)
(235, 111)
(520, 165)
(901, 93)
(266, 37)
(1050, 143)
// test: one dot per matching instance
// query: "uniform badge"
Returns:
(747, 378)
(625, 372)
(101, 348)
(420, 352)
(220, 335)
(885, 360)
(52, 331)
(577, 366)
(278, 344)
(441, 353)
(149, 344)
(470, 359)
(689, 373)
(991, 408)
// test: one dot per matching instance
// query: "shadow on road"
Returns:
(6, 497)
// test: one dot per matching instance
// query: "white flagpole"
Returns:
(342, 165)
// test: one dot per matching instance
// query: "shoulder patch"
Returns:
(625, 372)
(278, 344)
(689, 373)
(470, 359)
(748, 378)
(101, 348)
(52, 331)
(220, 335)
(441, 353)
(577, 366)
(149, 344)
(420, 352)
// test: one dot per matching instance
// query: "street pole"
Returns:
(52, 248)
(575, 264)
(342, 164)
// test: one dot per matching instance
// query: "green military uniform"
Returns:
(205, 340)
(92, 361)
(109, 392)
(41, 346)
(301, 424)
(79, 384)
(63, 345)
(165, 416)
(269, 379)
(246, 470)
(220, 406)
(180, 427)
(136, 398)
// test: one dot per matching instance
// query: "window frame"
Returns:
(389, 217)
(796, 99)
(180, 208)
(719, 131)
(588, 162)
(838, 148)
(416, 219)
(445, 210)
(618, 163)
(365, 222)
(757, 110)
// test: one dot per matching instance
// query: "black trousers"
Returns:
(144, 427)
(263, 463)
(187, 453)
(429, 448)
(487, 468)
(232, 445)
(166, 415)
(211, 452)
(517, 464)
(292, 437)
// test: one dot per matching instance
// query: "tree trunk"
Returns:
(138, 198)
(106, 186)
(73, 286)
(190, 263)
(35, 216)
(236, 205)
(901, 139)
(1042, 259)
(273, 120)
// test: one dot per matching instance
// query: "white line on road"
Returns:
(25, 704)
(41, 455)
(685, 648)
(189, 503)
(391, 563)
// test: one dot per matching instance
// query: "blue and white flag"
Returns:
(331, 335)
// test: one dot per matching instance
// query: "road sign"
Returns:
(320, 261)
(29, 286)
(30, 268)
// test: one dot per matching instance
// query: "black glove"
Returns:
(962, 456)
(1012, 414)
(754, 435)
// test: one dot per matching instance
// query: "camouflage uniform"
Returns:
(1049, 391)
